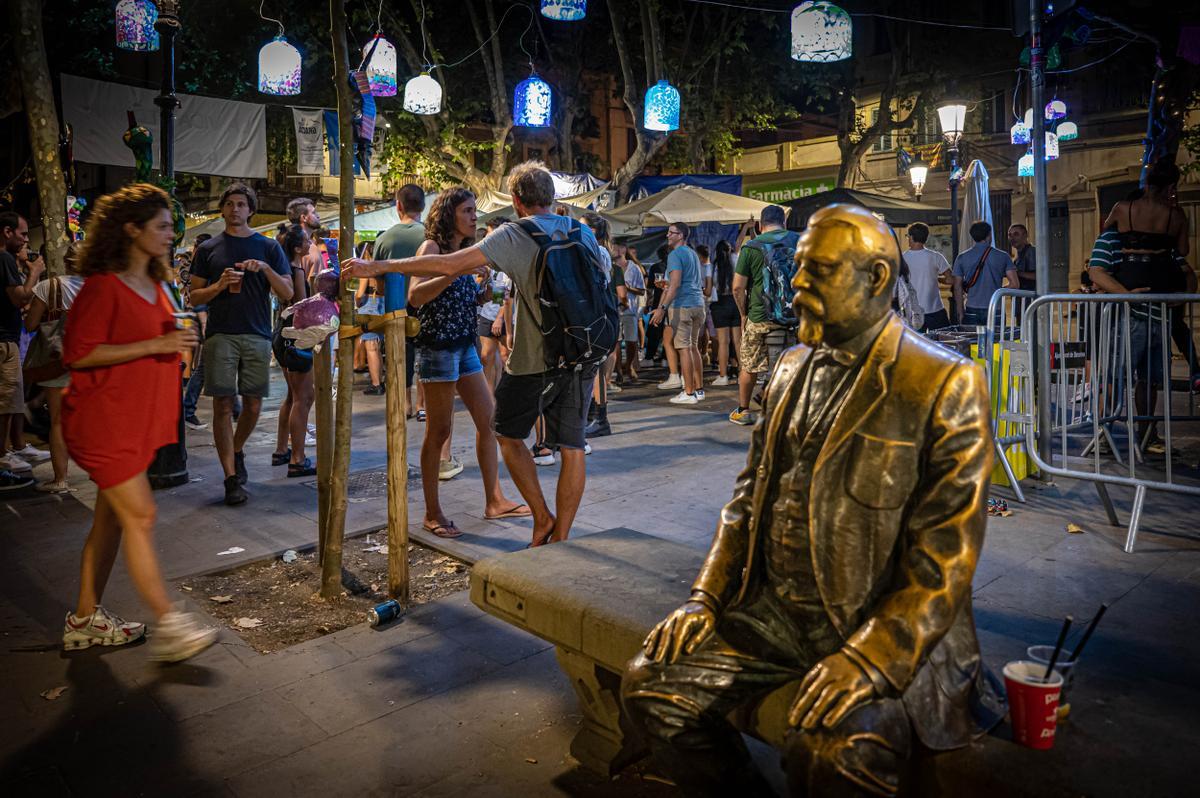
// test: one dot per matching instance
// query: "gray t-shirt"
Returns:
(510, 250)
(991, 275)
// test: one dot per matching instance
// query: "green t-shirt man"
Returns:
(750, 264)
(399, 241)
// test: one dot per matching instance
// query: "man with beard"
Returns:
(840, 572)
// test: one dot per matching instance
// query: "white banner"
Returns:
(310, 141)
(212, 136)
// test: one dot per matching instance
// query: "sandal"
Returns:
(302, 469)
(517, 511)
(281, 458)
(545, 540)
(443, 530)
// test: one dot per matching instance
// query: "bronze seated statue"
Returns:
(843, 563)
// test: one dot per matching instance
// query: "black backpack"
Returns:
(580, 324)
(779, 267)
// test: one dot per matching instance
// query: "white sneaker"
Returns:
(722, 381)
(102, 628)
(309, 440)
(546, 459)
(587, 448)
(10, 462)
(31, 455)
(673, 381)
(684, 399)
(700, 394)
(449, 469)
(178, 636)
(614, 388)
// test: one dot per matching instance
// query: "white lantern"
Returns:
(423, 95)
(381, 69)
(1067, 131)
(821, 32)
(1019, 134)
(1055, 109)
(1025, 165)
(1029, 119)
(279, 68)
(564, 10)
(952, 114)
(917, 172)
(1051, 146)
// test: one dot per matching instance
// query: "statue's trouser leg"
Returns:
(680, 709)
(864, 755)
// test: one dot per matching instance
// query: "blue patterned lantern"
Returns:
(532, 103)
(1055, 109)
(564, 10)
(821, 32)
(1019, 134)
(381, 69)
(662, 107)
(135, 25)
(1025, 165)
(279, 68)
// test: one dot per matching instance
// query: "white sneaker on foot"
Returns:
(699, 394)
(587, 448)
(673, 381)
(31, 454)
(722, 381)
(101, 628)
(449, 469)
(178, 636)
(684, 398)
(10, 462)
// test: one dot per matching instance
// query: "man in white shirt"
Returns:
(925, 270)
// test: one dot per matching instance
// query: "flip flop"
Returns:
(544, 541)
(515, 512)
(444, 530)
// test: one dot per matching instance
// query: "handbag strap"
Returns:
(978, 268)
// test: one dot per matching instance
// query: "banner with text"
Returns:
(310, 143)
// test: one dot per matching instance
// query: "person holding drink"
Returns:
(235, 273)
(122, 345)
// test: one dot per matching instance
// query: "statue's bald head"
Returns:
(848, 261)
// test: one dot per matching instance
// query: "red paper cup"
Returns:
(1032, 703)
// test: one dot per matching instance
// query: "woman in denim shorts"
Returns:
(447, 361)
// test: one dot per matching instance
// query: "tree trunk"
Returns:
(25, 23)
(331, 566)
(648, 143)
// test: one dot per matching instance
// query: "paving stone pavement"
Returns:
(449, 701)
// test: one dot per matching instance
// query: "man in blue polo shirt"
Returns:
(980, 272)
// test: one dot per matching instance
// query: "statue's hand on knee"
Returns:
(680, 632)
(832, 689)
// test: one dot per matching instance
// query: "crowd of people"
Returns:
(716, 314)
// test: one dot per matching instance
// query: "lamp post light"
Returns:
(918, 170)
(951, 115)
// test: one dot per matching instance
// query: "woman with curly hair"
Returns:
(447, 361)
(122, 346)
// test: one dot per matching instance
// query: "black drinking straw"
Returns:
(1087, 635)
(1062, 638)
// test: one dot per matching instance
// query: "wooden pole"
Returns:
(331, 566)
(397, 449)
(323, 383)
(25, 33)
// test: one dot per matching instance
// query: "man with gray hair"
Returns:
(748, 278)
(527, 387)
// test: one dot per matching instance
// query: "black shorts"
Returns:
(725, 312)
(299, 361)
(483, 328)
(560, 397)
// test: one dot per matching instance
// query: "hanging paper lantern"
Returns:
(1025, 165)
(1019, 134)
(1028, 120)
(135, 25)
(662, 107)
(381, 69)
(1055, 109)
(279, 68)
(1051, 146)
(821, 32)
(564, 10)
(1067, 131)
(531, 103)
(423, 95)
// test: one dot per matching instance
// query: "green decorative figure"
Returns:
(140, 140)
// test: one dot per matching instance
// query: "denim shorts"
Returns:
(447, 365)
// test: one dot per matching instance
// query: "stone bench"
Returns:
(597, 597)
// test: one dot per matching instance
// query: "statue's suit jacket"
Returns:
(896, 516)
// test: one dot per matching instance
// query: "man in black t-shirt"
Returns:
(16, 290)
(235, 273)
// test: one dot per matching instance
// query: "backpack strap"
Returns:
(532, 230)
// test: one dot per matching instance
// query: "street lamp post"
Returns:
(169, 468)
(951, 115)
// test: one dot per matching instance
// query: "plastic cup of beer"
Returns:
(235, 287)
(1033, 703)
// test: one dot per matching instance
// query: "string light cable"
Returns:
(909, 20)
(265, 18)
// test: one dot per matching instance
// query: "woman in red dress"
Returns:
(121, 405)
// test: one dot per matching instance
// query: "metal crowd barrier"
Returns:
(1105, 355)
(1007, 364)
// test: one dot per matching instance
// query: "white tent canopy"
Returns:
(683, 203)
(977, 207)
(495, 204)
